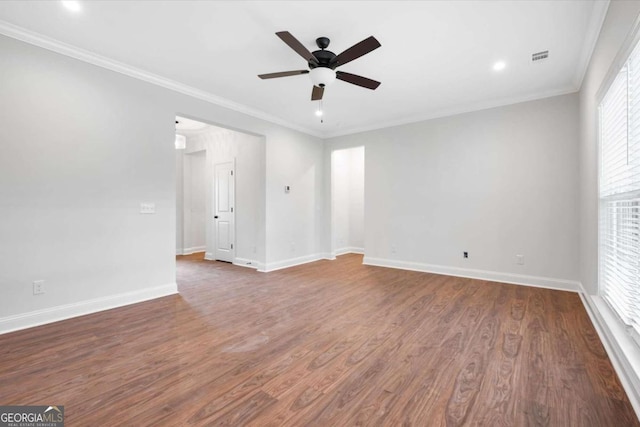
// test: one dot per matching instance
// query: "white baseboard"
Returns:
(349, 250)
(291, 262)
(328, 255)
(494, 276)
(67, 311)
(196, 249)
(209, 256)
(244, 262)
(623, 352)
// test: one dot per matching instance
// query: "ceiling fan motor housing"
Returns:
(324, 57)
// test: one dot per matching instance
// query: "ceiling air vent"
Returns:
(539, 56)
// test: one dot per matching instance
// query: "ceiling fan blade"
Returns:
(357, 80)
(316, 93)
(294, 44)
(356, 51)
(283, 74)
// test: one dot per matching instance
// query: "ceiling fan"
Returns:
(322, 63)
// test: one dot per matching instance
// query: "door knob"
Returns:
(215, 217)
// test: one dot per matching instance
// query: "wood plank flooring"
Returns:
(331, 343)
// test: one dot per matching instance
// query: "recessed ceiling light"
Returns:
(499, 66)
(318, 113)
(72, 5)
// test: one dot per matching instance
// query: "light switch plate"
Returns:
(147, 208)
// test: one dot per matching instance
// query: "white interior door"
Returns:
(223, 215)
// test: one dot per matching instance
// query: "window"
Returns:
(619, 194)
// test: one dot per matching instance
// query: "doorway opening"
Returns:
(347, 201)
(194, 236)
(219, 194)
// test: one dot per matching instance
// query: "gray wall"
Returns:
(495, 183)
(82, 147)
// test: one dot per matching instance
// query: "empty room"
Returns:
(327, 213)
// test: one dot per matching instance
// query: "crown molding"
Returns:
(45, 42)
(454, 111)
(598, 14)
(595, 24)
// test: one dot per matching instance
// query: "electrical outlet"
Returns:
(520, 259)
(38, 287)
(465, 254)
(394, 249)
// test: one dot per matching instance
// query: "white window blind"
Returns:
(619, 252)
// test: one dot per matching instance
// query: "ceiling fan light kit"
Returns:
(322, 63)
(322, 76)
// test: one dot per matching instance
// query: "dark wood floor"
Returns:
(332, 343)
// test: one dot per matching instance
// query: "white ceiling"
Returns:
(436, 56)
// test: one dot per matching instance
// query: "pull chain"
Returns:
(320, 111)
